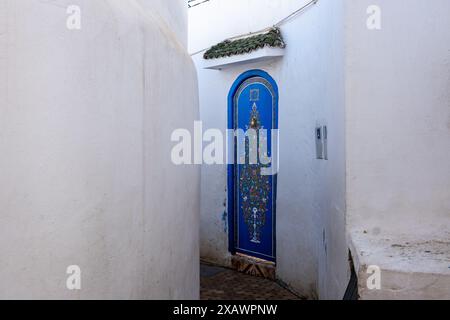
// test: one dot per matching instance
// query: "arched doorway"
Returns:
(253, 107)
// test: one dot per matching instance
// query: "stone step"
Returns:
(254, 266)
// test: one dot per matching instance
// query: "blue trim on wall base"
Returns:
(231, 167)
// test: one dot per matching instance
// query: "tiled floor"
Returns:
(223, 284)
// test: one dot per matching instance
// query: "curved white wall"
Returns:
(172, 13)
(85, 173)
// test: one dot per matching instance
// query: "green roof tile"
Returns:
(229, 48)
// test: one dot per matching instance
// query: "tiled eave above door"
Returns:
(264, 54)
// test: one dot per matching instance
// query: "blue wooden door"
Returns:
(254, 107)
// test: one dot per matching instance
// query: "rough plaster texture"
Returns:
(173, 15)
(85, 172)
(412, 265)
(398, 145)
(311, 245)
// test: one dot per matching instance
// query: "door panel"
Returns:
(255, 193)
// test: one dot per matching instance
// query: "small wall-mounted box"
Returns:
(322, 143)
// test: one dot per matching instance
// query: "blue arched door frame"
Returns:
(231, 167)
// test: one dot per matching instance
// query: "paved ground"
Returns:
(223, 284)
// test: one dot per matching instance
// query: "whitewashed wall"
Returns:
(85, 172)
(398, 111)
(398, 144)
(173, 16)
(311, 246)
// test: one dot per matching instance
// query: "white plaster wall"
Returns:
(398, 146)
(173, 14)
(398, 117)
(85, 172)
(311, 245)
